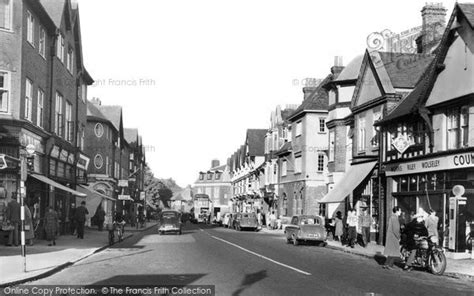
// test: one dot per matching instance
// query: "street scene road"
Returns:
(247, 263)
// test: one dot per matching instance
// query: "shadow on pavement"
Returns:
(112, 258)
(147, 279)
(249, 280)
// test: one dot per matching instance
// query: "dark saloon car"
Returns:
(245, 221)
(306, 228)
(169, 221)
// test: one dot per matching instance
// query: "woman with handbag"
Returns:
(51, 225)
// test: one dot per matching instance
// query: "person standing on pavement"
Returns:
(100, 214)
(352, 221)
(72, 226)
(414, 229)
(392, 242)
(81, 213)
(51, 222)
(338, 227)
(431, 224)
(13, 218)
(29, 229)
(365, 221)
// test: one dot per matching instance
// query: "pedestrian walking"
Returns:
(81, 213)
(29, 229)
(100, 214)
(13, 218)
(51, 222)
(72, 215)
(338, 227)
(273, 220)
(392, 242)
(365, 221)
(352, 222)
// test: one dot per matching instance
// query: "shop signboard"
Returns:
(441, 163)
(123, 183)
(83, 161)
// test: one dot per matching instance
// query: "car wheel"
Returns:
(322, 244)
(295, 241)
(160, 232)
(288, 240)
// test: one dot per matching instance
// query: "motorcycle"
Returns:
(428, 256)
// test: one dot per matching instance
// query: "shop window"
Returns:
(457, 127)
(413, 185)
(404, 184)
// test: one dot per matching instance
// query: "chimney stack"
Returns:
(433, 24)
(215, 163)
(338, 66)
(96, 101)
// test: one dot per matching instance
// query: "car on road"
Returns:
(306, 228)
(170, 221)
(245, 221)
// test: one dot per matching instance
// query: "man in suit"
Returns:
(81, 213)
(13, 217)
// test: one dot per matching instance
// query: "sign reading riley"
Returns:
(448, 162)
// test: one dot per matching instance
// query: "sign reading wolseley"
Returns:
(448, 162)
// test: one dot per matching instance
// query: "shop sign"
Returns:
(402, 143)
(83, 161)
(142, 195)
(124, 197)
(123, 183)
(27, 138)
(448, 162)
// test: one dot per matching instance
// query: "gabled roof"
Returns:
(56, 9)
(256, 142)
(316, 101)
(414, 102)
(130, 135)
(113, 113)
(94, 112)
(405, 69)
(351, 71)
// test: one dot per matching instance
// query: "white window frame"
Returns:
(321, 162)
(5, 89)
(99, 130)
(298, 164)
(42, 42)
(298, 128)
(322, 124)
(40, 109)
(361, 135)
(70, 59)
(284, 167)
(58, 113)
(7, 17)
(98, 159)
(28, 99)
(60, 47)
(216, 192)
(69, 129)
(30, 28)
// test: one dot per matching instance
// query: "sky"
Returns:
(193, 75)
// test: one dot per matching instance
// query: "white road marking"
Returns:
(261, 256)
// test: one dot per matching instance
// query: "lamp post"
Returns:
(26, 164)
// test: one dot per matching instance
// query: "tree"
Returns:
(159, 189)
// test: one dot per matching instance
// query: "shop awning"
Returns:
(87, 191)
(351, 179)
(57, 185)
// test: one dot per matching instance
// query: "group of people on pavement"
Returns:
(50, 223)
(421, 224)
(345, 229)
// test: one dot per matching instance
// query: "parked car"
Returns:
(170, 221)
(246, 221)
(306, 228)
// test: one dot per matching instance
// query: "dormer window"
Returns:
(218, 175)
(201, 176)
(209, 176)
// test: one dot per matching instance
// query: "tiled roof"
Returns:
(405, 69)
(92, 111)
(351, 71)
(55, 9)
(113, 113)
(130, 135)
(256, 141)
(317, 100)
(468, 10)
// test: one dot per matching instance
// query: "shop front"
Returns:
(428, 184)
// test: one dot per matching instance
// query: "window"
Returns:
(322, 125)
(40, 108)
(99, 130)
(69, 123)
(458, 127)
(98, 161)
(298, 164)
(284, 168)
(4, 90)
(28, 98)
(216, 192)
(320, 162)
(375, 133)
(209, 176)
(107, 165)
(331, 146)
(81, 136)
(218, 175)
(30, 28)
(83, 92)
(60, 47)
(201, 176)
(6, 14)
(42, 42)
(361, 135)
(70, 59)
(58, 118)
(298, 129)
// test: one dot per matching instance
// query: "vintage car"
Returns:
(306, 228)
(245, 221)
(169, 221)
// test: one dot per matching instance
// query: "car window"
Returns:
(307, 221)
(169, 215)
(294, 221)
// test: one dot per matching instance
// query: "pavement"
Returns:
(457, 268)
(43, 260)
